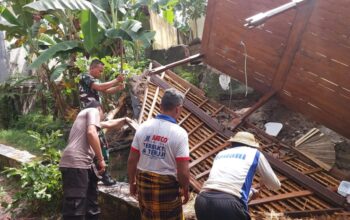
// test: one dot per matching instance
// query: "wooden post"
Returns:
(301, 20)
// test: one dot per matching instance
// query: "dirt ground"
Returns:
(5, 197)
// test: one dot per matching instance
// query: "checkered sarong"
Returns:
(159, 196)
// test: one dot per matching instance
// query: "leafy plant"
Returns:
(38, 123)
(9, 100)
(39, 181)
(191, 77)
(48, 145)
(19, 139)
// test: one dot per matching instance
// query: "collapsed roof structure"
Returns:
(307, 189)
(301, 58)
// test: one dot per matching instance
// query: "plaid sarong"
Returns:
(159, 196)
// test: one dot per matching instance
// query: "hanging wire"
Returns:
(230, 86)
(245, 68)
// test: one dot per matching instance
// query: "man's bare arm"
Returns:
(114, 123)
(106, 85)
(115, 89)
(94, 142)
(132, 166)
(183, 176)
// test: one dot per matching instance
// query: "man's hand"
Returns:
(120, 87)
(255, 194)
(101, 167)
(120, 78)
(185, 195)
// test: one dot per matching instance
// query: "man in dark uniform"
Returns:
(89, 86)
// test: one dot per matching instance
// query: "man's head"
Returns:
(96, 104)
(171, 103)
(96, 68)
(244, 137)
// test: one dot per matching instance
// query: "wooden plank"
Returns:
(318, 189)
(208, 24)
(300, 22)
(306, 136)
(202, 142)
(312, 213)
(175, 64)
(300, 105)
(328, 48)
(205, 173)
(323, 98)
(322, 67)
(210, 153)
(143, 105)
(280, 197)
(154, 102)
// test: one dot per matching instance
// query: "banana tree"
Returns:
(93, 30)
(97, 24)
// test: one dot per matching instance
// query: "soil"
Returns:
(5, 197)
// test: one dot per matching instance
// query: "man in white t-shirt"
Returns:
(158, 164)
(225, 193)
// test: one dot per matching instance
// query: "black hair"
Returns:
(171, 99)
(96, 62)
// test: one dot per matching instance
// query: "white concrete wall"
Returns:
(166, 34)
(197, 30)
(4, 67)
(11, 61)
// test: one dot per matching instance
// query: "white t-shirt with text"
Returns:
(160, 144)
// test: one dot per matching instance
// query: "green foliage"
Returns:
(39, 181)
(178, 12)
(37, 122)
(112, 67)
(48, 144)
(3, 193)
(8, 97)
(63, 5)
(19, 139)
(191, 77)
(53, 51)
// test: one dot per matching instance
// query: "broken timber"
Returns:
(160, 69)
(304, 184)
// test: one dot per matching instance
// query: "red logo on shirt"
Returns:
(159, 138)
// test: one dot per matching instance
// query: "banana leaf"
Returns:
(53, 51)
(62, 5)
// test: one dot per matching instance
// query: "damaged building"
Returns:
(301, 59)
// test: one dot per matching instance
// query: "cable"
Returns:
(245, 68)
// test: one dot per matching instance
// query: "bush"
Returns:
(19, 139)
(40, 188)
(37, 122)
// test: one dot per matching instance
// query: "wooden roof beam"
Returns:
(195, 109)
(300, 22)
(175, 64)
(324, 193)
(279, 166)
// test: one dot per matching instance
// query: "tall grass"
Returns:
(19, 139)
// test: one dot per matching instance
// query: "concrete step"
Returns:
(12, 157)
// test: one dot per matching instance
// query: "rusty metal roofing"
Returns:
(306, 190)
(302, 53)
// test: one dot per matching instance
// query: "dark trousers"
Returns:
(79, 194)
(214, 205)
